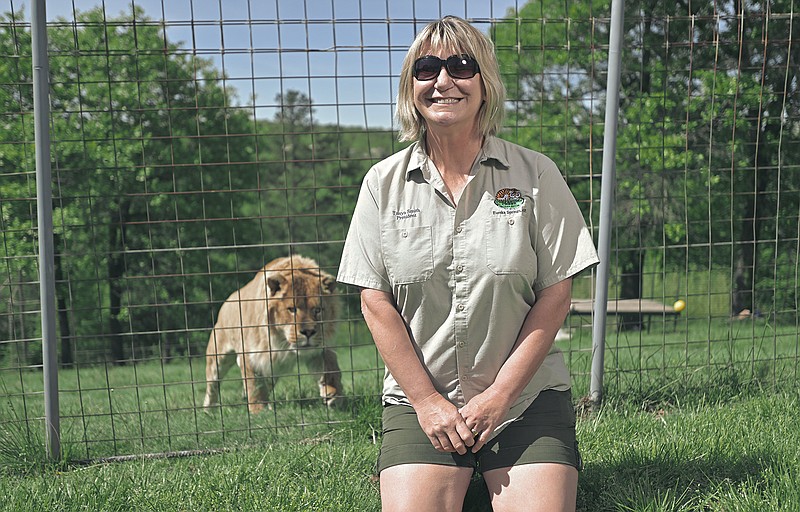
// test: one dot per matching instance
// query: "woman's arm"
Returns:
(439, 419)
(487, 410)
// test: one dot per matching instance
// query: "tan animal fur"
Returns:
(282, 315)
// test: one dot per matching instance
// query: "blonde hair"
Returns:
(455, 34)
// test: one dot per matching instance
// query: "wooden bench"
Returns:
(645, 307)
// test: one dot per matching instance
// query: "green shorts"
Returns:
(544, 433)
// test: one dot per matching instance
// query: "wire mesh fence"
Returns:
(195, 141)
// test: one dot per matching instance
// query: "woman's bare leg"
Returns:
(424, 488)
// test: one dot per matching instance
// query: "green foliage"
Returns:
(167, 195)
(707, 122)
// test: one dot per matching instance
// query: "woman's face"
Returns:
(449, 103)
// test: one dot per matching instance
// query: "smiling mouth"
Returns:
(445, 101)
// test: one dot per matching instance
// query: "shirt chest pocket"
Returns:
(408, 254)
(508, 245)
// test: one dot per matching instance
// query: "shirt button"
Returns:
(460, 307)
(459, 229)
(511, 222)
(461, 344)
(404, 234)
(460, 268)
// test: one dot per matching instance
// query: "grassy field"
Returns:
(740, 453)
(153, 407)
(696, 417)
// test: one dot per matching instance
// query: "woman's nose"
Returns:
(443, 80)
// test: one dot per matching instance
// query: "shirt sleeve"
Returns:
(362, 257)
(562, 242)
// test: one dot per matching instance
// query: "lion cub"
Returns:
(283, 315)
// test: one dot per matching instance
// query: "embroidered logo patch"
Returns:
(508, 198)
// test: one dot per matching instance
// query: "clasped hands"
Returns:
(451, 429)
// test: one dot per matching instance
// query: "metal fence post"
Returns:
(44, 207)
(606, 201)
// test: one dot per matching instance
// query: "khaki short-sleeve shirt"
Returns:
(465, 276)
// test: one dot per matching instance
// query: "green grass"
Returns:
(698, 416)
(330, 473)
(683, 357)
(152, 407)
(736, 454)
(740, 453)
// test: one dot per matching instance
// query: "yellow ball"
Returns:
(679, 306)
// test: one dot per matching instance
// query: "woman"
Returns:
(464, 246)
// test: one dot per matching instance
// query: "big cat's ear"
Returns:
(274, 285)
(328, 284)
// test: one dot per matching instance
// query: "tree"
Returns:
(311, 176)
(17, 194)
(135, 125)
(708, 103)
(168, 195)
(764, 119)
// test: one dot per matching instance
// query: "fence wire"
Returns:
(193, 142)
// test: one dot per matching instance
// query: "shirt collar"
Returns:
(492, 149)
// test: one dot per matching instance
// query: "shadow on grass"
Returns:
(663, 482)
(635, 482)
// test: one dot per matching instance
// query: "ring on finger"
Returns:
(475, 432)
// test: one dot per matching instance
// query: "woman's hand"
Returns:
(483, 414)
(444, 426)
(486, 411)
(439, 419)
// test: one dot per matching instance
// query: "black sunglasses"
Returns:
(457, 66)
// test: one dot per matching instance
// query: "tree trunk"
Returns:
(63, 315)
(631, 282)
(742, 296)
(116, 272)
(756, 207)
(631, 262)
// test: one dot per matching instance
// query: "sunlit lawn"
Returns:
(695, 418)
